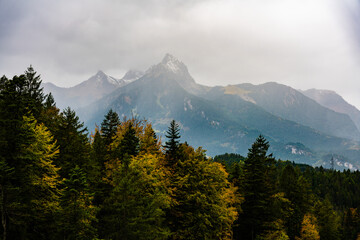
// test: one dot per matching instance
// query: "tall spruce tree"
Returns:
(172, 145)
(26, 150)
(34, 91)
(73, 143)
(109, 126)
(129, 145)
(258, 187)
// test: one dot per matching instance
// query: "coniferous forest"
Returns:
(58, 181)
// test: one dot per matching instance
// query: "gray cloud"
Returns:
(304, 44)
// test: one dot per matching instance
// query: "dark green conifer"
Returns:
(172, 145)
(77, 214)
(109, 127)
(73, 142)
(258, 188)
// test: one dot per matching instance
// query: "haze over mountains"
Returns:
(90, 90)
(300, 126)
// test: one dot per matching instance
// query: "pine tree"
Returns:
(34, 91)
(129, 145)
(172, 145)
(98, 159)
(109, 126)
(73, 143)
(49, 101)
(27, 148)
(77, 213)
(258, 188)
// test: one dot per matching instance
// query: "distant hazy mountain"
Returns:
(216, 119)
(90, 90)
(334, 101)
(290, 104)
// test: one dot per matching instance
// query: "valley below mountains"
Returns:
(313, 127)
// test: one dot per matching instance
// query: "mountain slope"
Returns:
(90, 90)
(226, 123)
(288, 103)
(335, 102)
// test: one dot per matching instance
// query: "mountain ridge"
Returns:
(90, 90)
(335, 102)
(222, 119)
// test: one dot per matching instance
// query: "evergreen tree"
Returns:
(49, 101)
(34, 91)
(203, 199)
(172, 145)
(258, 188)
(38, 180)
(50, 115)
(29, 185)
(77, 213)
(328, 220)
(73, 143)
(98, 153)
(135, 207)
(297, 190)
(351, 224)
(128, 146)
(98, 159)
(109, 126)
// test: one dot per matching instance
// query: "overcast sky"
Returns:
(304, 44)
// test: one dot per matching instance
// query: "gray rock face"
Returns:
(335, 102)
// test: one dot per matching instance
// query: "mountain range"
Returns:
(90, 90)
(298, 125)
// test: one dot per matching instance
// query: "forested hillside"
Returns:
(58, 181)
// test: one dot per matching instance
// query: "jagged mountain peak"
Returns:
(132, 75)
(173, 69)
(100, 73)
(172, 64)
(169, 64)
(100, 77)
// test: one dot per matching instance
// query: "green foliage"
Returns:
(297, 189)
(77, 214)
(172, 145)
(109, 126)
(37, 178)
(128, 145)
(351, 224)
(258, 189)
(328, 220)
(203, 198)
(73, 143)
(121, 185)
(135, 207)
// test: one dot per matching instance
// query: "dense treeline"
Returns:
(122, 182)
